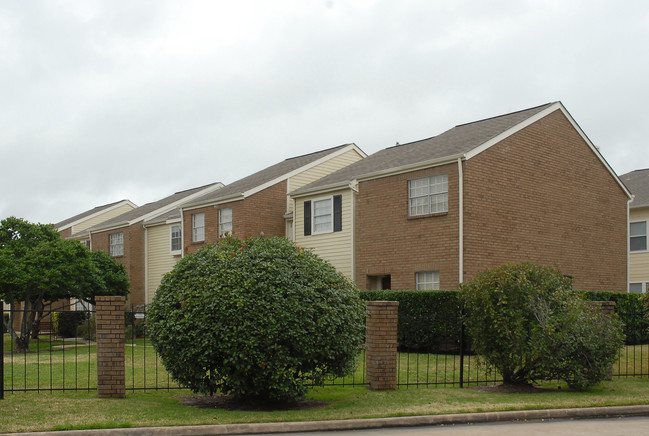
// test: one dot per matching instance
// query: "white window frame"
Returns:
(643, 287)
(178, 238)
(198, 227)
(330, 227)
(427, 280)
(645, 236)
(225, 227)
(116, 244)
(428, 195)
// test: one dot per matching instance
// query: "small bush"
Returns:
(88, 329)
(67, 323)
(260, 319)
(527, 322)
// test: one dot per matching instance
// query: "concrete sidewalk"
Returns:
(356, 424)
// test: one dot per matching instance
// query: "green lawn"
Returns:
(33, 411)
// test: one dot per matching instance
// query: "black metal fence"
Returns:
(60, 361)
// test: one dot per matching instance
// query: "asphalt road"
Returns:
(576, 427)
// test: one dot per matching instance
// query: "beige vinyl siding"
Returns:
(324, 169)
(336, 247)
(159, 258)
(110, 214)
(639, 262)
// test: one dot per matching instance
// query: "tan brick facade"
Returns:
(388, 241)
(260, 212)
(133, 258)
(541, 195)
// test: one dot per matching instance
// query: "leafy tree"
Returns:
(37, 266)
(259, 318)
(526, 321)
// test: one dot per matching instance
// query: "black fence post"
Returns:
(461, 349)
(2, 351)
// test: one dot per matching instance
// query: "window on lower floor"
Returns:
(427, 280)
(638, 236)
(225, 221)
(637, 288)
(176, 239)
(116, 243)
(428, 195)
(198, 227)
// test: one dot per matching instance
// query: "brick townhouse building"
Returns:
(525, 186)
(259, 203)
(638, 183)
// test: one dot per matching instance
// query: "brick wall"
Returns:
(542, 195)
(133, 258)
(260, 212)
(388, 241)
(111, 375)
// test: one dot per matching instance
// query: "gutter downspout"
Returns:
(353, 185)
(628, 245)
(461, 219)
(146, 265)
(182, 233)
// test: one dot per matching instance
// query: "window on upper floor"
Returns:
(323, 215)
(198, 227)
(225, 221)
(427, 280)
(428, 195)
(176, 239)
(638, 236)
(116, 243)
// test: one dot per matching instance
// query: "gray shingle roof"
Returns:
(458, 140)
(266, 175)
(86, 214)
(638, 183)
(138, 213)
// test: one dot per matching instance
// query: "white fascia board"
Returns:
(231, 198)
(533, 119)
(96, 214)
(177, 203)
(304, 168)
(323, 189)
(412, 167)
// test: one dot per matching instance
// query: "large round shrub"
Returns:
(527, 322)
(259, 318)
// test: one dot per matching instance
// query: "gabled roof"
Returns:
(638, 183)
(269, 176)
(155, 208)
(91, 214)
(463, 141)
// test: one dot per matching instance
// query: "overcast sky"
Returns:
(108, 100)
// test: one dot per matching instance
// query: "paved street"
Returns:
(591, 427)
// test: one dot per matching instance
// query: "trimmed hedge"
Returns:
(429, 321)
(67, 323)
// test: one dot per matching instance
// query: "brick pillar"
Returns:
(111, 379)
(381, 344)
(607, 308)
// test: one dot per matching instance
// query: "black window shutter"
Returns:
(338, 213)
(307, 218)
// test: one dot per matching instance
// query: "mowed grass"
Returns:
(32, 411)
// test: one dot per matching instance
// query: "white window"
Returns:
(116, 244)
(428, 195)
(427, 280)
(637, 288)
(225, 221)
(198, 227)
(176, 239)
(638, 236)
(323, 216)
